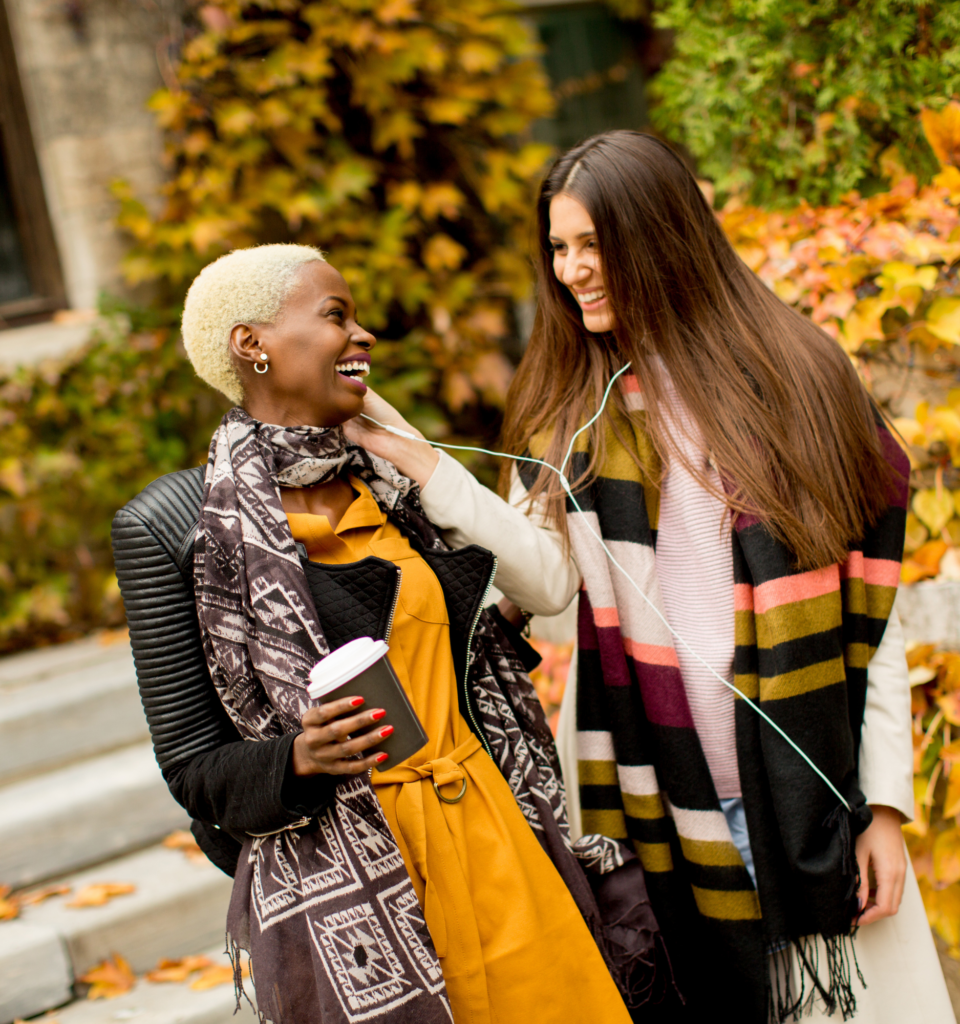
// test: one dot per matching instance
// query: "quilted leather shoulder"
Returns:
(170, 509)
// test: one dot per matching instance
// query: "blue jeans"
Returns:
(737, 823)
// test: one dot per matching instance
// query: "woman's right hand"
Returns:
(324, 746)
(414, 458)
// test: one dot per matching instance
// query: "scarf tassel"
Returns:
(235, 953)
(835, 993)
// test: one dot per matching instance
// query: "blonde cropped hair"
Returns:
(247, 286)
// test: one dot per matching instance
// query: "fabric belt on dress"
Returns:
(425, 790)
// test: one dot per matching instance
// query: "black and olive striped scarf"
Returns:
(803, 641)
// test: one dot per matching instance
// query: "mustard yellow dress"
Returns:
(513, 946)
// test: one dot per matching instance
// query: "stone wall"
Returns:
(88, 68)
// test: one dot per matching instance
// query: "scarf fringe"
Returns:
(235, 952)
(834, 994)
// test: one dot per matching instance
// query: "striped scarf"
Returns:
(803, 642)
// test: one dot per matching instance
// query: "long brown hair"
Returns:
(779, 405)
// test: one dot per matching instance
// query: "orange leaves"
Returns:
(109, 979)
(100, 893)
(183, 841)
(550, 677)
(179, 969)
(201, 969)
(9, 906)
(215, 974)
(34, 896)
(942, 129)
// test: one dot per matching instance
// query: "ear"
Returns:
(245, 343)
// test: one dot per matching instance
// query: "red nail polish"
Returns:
(356, 702)
(381, 758)
(385, 731)
(378, 714)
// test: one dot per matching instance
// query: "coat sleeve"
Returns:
(533, 569)
(886, 743)
(238, 786)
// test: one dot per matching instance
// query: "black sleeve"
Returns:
(239, 786)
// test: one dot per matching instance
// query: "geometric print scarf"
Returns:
(326, 908)
(803, 642)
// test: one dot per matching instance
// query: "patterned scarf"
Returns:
(327, 910)
(803, 641)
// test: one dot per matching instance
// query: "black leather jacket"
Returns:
(232, 788)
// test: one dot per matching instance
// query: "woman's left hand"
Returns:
(880, 852)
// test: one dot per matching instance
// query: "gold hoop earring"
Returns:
(256, 366)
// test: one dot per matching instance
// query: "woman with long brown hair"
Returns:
(739, 707)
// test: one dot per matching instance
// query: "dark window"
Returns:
(595, 63)
(31, 283)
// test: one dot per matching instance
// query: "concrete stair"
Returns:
(82, 801)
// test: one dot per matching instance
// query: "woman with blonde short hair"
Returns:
(445, 885)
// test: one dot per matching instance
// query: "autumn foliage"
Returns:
(881, 275)
(391, 133)
(804, 98)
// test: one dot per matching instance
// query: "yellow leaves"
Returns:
(12, 478)
(235, 118)
(109, 979)
(100, 893)
(449, 109)
(943, 319)
(942, 129)
(863, 323)
(946, 855)
(442, 253)
(477, 56)
(934, 507)
(442, 198)
(943, 912)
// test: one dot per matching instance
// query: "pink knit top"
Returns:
(695, 569)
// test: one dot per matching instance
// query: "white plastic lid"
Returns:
(344, 664)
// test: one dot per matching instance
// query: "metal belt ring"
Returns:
(448, 800)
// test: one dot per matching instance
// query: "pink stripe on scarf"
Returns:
(801, 587)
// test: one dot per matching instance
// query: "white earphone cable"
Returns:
(565, 484)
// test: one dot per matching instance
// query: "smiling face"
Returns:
(576, 261)
(317, 355)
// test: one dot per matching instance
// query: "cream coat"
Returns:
(897, 955)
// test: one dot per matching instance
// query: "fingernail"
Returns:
(356, 702)
(385, 731)
(381, 758)
(378, 714)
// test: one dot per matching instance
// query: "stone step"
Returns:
(18, 670)
(178, 907)
(34, 971)
(63, 714)
(167, 1003)
(83, 814)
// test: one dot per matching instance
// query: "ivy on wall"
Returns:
(791, 99)
(391, 133)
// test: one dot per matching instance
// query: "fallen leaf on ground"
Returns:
(178, 970)
(102, 892)
(28, 899)
(9, 907)
(218, 974)
(183, 841)
(109, 979)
